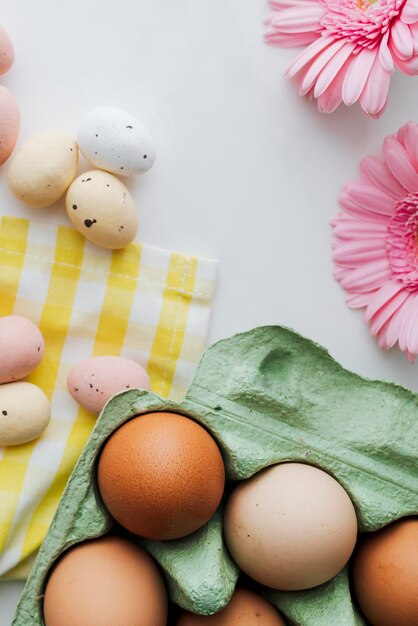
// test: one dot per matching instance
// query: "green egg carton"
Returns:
(267, 396)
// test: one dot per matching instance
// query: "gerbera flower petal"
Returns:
(369, 197)
(377, 36)
(399, 163)
(385, 55)
(378, 303)
(407, 135)
(368, 277)
(331, 70)
(307, 56)
(409, 13)
(301, 19)
(375, 93)
(354, 253)
(401, 41)
(409, 67)
(318, 65)
(375, 249)
(357, 75)
(379, 174)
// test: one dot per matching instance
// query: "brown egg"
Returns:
(385, 575)
(161, 476)
(105, 582)
(245, 608)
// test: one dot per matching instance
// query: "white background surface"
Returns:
(246, 171)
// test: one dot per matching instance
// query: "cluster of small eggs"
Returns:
(24, 407)
(98, 204)
(289, 527)
(9, 108)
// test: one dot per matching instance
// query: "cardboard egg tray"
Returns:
(267, 396)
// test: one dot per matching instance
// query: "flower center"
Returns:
(402, 242)
(363, 22)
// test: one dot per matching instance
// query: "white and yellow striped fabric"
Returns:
(144, 303)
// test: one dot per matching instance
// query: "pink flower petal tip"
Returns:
(375, 242)
(351, 47)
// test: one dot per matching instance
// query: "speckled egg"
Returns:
(21, 347)
(24, 413)
(43, 168)
(94, 381)
(7, 53)
(102, 209)
(115, 141)
(9, 122)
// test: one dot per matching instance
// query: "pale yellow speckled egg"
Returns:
(24, 413)
(102, 209)
(43, 168)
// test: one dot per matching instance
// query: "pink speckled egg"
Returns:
(94, 381)
(9, 123)
(7, 53)
(21, 347)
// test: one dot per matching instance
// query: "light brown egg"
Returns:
(102, 209)
(244, 609)
(161, 475)
(105, 582)
(291, 526)
(385, 575)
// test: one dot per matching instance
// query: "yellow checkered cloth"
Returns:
(144, 303)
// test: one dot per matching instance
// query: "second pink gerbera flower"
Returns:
(353, 47)
(376, 242)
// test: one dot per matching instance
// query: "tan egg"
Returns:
(105, 582)
(102, 209)
(290, 527)
(24, 413)
(385, 574)
(43, 168)
(244, 609)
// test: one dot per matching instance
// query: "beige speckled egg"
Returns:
(43, 168)
(102, 209)
(24, 413)
(9, 122)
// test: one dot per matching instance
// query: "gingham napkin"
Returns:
(147, 304)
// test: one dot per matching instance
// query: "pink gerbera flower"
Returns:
(376, 242)
(353, 47)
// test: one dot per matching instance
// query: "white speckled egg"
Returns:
(43, 168)
(24, 413)
(102, 209)
(115, 141)
(94, 381)
(21, 347)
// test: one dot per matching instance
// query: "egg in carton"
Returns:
(267, 396)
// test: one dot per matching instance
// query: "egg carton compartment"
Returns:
(266, 396)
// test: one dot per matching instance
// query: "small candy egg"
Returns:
(9, 123)
(102, 209)
(7, 53)
(24, 413)
(43, 168)
(92, 382)
(385, 574)
(245, 607)
(105, 582)
(115, 141)
(290, 527)
(161, 475)
(21, 347)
